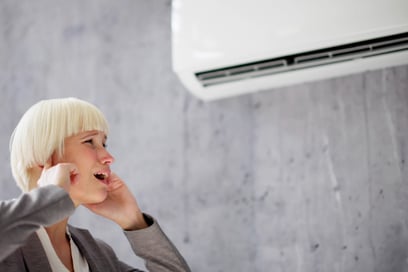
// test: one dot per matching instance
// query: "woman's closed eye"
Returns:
(92, 142)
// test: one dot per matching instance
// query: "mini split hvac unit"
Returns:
(225, 48)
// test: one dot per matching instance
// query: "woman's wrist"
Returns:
(136, 222)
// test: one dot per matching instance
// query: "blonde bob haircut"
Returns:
(42, 131)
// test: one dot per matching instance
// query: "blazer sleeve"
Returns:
(20, 217)
(156, 249)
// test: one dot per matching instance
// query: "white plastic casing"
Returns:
(211, 34)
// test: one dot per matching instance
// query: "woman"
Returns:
(59, 160)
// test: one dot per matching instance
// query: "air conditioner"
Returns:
(223, 48)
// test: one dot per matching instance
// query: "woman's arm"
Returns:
(43, 206)
(20, 217)
(156, 249)
(153, 246)
(143, 232)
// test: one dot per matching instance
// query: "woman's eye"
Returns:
(90, 141)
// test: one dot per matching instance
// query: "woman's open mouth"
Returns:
(103, 177)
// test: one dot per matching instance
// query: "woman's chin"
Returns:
(99, 198)
(95, 198)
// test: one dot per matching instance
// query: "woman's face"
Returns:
(87, 150)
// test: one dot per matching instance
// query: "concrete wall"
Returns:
(311, 177)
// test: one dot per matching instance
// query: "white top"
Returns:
(79, 262)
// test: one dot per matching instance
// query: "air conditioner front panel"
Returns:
(211, 34)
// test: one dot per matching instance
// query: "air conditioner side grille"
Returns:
(363, 49)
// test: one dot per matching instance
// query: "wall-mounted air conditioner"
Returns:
(224, 48)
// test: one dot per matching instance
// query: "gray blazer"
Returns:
(19, 253)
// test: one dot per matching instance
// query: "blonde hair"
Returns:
(42, 130)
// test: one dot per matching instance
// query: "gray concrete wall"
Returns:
(307, 178)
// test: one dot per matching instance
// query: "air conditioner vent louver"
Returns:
(348, 52)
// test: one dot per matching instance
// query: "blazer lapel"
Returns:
(97, 260)
(34, 255)
(36, 260)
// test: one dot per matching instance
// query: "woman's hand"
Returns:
(62, 175)
(120, 206)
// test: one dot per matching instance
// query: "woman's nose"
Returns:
(106, 157)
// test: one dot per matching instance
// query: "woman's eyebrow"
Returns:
(89, 134)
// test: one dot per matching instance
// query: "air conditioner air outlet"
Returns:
(325, 56)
